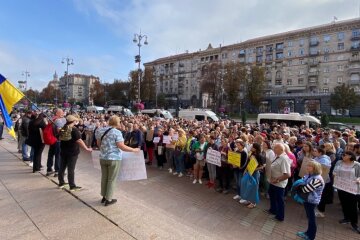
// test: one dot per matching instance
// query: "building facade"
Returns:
(302, 67)
(78, 87)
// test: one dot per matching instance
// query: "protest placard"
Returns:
(95, 156)
(213, 157)
(166, 139)
(234, 158)
(156, 139)
(132, 166)
(252, 165)
(346, 184)
(175, 137)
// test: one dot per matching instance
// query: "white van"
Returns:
(157, 113)
(120, 109)
(291, 119)
(198, 114)
(95, 109)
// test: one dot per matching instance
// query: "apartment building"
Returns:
(302, 67)
(78, 87)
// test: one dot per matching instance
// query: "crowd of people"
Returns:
(284, 154)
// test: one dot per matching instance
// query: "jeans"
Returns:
(24, 147)
(277, 205)
(37, 157)
(212, 172)
(1, 129)
(32, 154)
(69, 162)
(109, 172)
(54, 151)
(238, 176)
(179, 161)
(310, 214)
(169, 154)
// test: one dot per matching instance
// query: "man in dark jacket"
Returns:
(24, 133)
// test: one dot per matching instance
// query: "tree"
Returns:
(118, 92)
(148, 86)
(134, 85)
(33, 95)
(255, 86)
(97, 93)
(235, 75)
(211, 82)
(344, 97)
(324, 119)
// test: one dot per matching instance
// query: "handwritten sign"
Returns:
(252, 165)
(132, 167)
(166, 139)
(213, 157)
(156, 139)
(346, 184)
(234, 158)
(175, 137)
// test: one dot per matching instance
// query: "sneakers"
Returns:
(236, 197)
(180, 175)
(49, 173)
(200, 182)
(112, 201)
(56, 174)
(319, 214)
(30, 164)
(302, 235)
(243, 201)
(170, 170)
(195, 181)
(61, 186)
(175, 173)
(103, 200)
(76, 188)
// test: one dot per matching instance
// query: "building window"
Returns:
(269, 58)
(340, 57)
(326, 49)
(326, 58)
(290, 53)
(356, 33)
(279, 56)
(325, 90)
(289, 82)
(301, 61)
(339, 80)
(327, 38)
(326, 81)
(340, 68)
(259, 59)
(289, 63)
(301, 42)
(326, 70)
(301, 72)
(290, 44)
(300, 81)
(278, 82)
(279, 46)
(341, 36)
(341, 46)
(301, 52)
(313, 51)
(355, 44)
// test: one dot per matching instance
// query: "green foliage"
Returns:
(344, 97)
(243, 116)
(235, 75)
(255, 86)
(324, 119)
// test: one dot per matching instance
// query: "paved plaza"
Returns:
(161, 207)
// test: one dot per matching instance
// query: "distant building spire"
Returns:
(55, 76)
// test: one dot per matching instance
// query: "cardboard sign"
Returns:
(252, 165)
(234, 158)
(156, 139)
(213, 157)
(175, 137)
(166, 139)
(346, 184)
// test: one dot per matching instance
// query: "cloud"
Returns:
(176, 26)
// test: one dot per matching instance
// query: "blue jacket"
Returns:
(314, 190)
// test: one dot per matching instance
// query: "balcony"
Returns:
(355, 37)
(316, 53)
(355, 58)
(313, 63)
(312, 82)
(354, 69)
(354, 82)
(313, 74)
(314, 43)
(279, 49)
(355, 48)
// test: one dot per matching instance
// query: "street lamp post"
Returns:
(137, 39)
(26, 73)
(68, 61)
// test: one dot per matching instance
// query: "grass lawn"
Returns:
(345, 119)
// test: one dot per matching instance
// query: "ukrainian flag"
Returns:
(9, 96)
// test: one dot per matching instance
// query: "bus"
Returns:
(291, 119)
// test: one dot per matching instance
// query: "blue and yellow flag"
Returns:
(9, 96)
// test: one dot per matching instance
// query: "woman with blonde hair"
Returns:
(111, 143)
(314, 185)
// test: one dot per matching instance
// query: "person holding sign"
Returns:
(211, 167)
(250, 183)
(239, 170)
(111, 143)
(179, 153)
(347, 180)
(224, 172)
(199, 148)
(160, 148)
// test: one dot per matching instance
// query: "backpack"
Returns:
(48, 134)
(65, 133)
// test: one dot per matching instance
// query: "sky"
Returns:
(97, 34)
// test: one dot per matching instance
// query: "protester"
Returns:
(111, 143)
(239, 170)
(280, 172)
(179, 153)
(70, 138)
(24, 134)
(199, 149)
(314, 185)
(211, 167)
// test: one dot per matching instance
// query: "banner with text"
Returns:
(213, 157)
